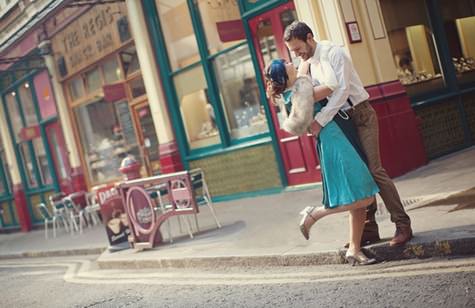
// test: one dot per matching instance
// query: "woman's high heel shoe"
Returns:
(306, 212)
(358, 258)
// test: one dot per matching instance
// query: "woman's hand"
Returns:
(314, 128)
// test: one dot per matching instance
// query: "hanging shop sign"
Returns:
(95, 34)
(29, 133)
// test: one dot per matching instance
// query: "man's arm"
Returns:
(320, 92)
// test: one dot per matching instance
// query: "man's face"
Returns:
(300, 48)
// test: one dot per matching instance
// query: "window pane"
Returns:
(130, 61)
(178, 32)
(459, 24)
(28, 164)
(412, 45)
(76, 88)
(61, 164)
(42, 161)
(137, 88)
(27, 104)
(239, 93)
(107, 136)
(196, 111)
(93, 80)
(111, 70)
(14, 113)
(222, 24)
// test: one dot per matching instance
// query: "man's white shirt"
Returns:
(331, 66)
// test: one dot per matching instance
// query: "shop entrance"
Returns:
(298, 153)
(29, 132)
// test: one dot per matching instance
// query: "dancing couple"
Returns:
(326, 98)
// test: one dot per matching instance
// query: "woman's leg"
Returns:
(317, 213)
(357, 220)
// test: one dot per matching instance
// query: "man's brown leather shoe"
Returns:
(402, 236)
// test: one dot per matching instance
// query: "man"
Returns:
(329, 65)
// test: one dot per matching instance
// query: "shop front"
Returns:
(433, 48)
(211, 65)
(98, 68)
(37, 140)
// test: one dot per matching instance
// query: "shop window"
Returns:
(27, 104)
(239, 92)
(76, 88)
(93, 80)
(42, 161)
(137, 88)
(28, 164)
(14, 114)
(459, 24)
(111, 69)
(130, 61)
(107, 135)
(196, 111)
(178, 31)
(222, 24)
(55, 146)
(412, 44)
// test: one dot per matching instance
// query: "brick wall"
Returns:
(246, 170)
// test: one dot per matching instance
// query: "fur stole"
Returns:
(301, 114)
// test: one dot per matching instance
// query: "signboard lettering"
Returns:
(90, 37)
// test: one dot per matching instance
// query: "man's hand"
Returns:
(314, 128)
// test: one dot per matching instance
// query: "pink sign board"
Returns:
(230, 30)
(44, 94)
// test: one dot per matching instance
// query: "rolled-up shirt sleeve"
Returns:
(341, 65)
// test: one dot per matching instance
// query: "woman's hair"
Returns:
(276, 77)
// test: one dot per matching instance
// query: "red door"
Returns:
(298, 153)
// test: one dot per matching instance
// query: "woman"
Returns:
(347, 182)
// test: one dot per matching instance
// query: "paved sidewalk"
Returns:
(264, 230)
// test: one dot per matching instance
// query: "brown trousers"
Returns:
(366, 122)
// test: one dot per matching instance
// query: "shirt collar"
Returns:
(316, 55)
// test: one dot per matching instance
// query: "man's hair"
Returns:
(297, 30)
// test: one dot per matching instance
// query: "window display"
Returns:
(239, 93)
(412, 45)
(459, 25)
(197, 113)
(107, 135)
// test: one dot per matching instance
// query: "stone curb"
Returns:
(53, 253)
(455, 247)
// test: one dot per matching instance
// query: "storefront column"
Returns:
(77, 175)
(18, 192)
(170, 160)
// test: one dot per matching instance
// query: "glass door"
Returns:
(298, 153)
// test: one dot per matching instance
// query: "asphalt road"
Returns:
(76, 282)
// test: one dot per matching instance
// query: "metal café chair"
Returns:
(74, 210)
(59, 210)
(91, 209)
(49, 218)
